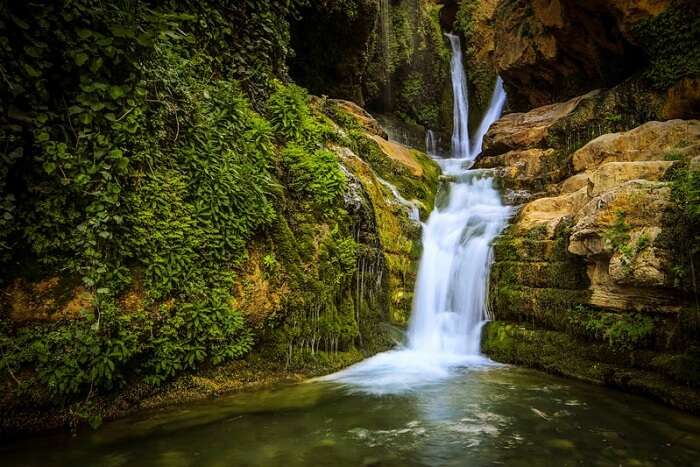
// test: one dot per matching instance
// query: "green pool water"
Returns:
(485, 415)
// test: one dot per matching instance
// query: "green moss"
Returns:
(684, 224)
(670, 42)
(622, 332)
(660, 376)
(535, 279)
(418, 55)
(419, 187)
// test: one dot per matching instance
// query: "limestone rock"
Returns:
(530, 169)
(612, 174)
(648, 268)
(642, 203)
(575, 183)
(399, 153)
(361, 116)
(648, 142)
(550, 50)
(549, 212)
(528, 130)
(611, 214)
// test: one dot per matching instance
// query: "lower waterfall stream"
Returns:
(434, 401)
(449, 307)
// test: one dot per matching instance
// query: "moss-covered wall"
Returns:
(668, 376)
(418, 67)
(341, 51)
(164, 215)
(538, 298)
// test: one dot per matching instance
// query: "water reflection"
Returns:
(494, 415)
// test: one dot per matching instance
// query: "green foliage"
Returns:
(289, 113)
(411, 93)
(623, 332)
(137, 161)
(315, 175)
(270, 265)
(671, 42)
(684, 232)
(613, 118)
(209, 329)
(89, 353)
(464, 23)
(617, 235)
(481, 75)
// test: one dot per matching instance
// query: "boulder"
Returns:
(528, 130)
(612, 174)
(531, 169)
(635, 204)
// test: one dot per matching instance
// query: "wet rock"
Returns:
(550, 50)
(360, 115)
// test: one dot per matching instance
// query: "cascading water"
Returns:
(412, 206)
(450, 297)
(460, 102)
(431, 143)
(498, 100)
(386, 50)
(449, 306)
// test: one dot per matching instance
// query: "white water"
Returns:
(386, 50)
(498, 100)
(431, 143)
(450, 298)
(411, 205)
(460, 102)
(449, 307)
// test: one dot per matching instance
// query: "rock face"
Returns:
(378, 163)
(615, 204)
(342, 51)
(644, 143)
(529, 130)
(474, 21)
(591, 254)
(550, 50)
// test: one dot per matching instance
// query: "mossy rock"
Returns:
(559, 353)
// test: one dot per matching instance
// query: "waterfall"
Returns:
(431, 143)
(449, 306)
(493, 113)
(411, 205)
(460, 102)
(386, 49)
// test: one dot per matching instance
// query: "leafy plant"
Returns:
(623, 332)
(131, 148)
(316, 174)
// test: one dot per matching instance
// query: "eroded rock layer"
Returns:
(592, 272)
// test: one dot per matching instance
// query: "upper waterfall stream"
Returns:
(449, 306)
